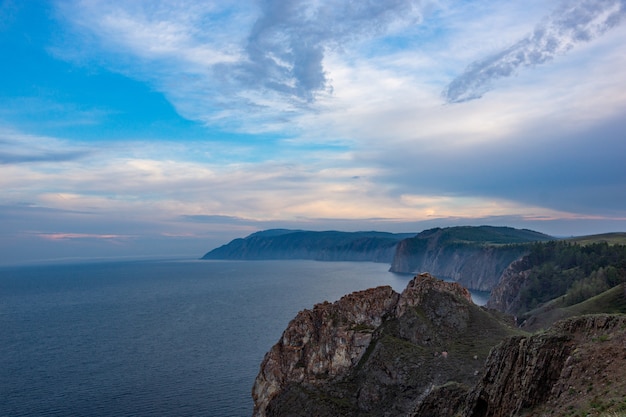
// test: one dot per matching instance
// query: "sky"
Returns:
(152, 128)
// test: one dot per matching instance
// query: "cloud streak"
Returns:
(211, 69)
(73, 236)
(573, 23)
(288, 42)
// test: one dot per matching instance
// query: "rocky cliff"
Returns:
(473, 256)
(430, 352)
(376, 352)
(505, 295)
(321, 246)
(576, 368)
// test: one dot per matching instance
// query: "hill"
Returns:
(612, 301)
(563, 270)
(301, 244)
(616, 238)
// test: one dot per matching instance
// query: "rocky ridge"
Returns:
(377, 352)
(505, 294)
(578, 367)
(323, 343)
(430, 352)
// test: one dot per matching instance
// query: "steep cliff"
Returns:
(577, 368)
(422, 354)
(473, 256)
(321, 246)
(376, 352)
(506, 294)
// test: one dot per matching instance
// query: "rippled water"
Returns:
(154, 338)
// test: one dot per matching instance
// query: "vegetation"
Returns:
(483, 235)
(612, 301)
(573, 271)
(617, 238)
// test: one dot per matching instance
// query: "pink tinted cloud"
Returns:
(69, 236)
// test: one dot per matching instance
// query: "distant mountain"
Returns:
(474, 256)
(322, 246)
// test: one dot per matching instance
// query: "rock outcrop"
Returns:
(430, 352)
(505, 296)
(579, 365)
(376, 352)
(473, 256)
(323, 343)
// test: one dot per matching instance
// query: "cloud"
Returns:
(226, 63)
(217, 219)
(8, 158)
(573, 23)
(287, 44)
(19, 148)
(72, 236)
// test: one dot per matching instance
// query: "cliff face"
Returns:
(323, 343)
(580, 364)
(505, 294)
(377, 352)
(321, 246)
(473, 266)
(475, 257)
(422, 354)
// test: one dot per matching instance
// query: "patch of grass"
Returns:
(612, 301)
(618, 238)
(362, 328)
(601, 338)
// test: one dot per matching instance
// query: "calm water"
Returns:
(154, 338)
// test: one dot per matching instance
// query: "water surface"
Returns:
(154, 337)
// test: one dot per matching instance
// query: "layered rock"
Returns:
(505, 296)
(376, 352)
(473, 256)
(580, 364)
(322, 343)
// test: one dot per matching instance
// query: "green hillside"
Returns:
(617, 238)
(612, 301)
(484, 235)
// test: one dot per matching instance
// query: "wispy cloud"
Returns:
(312, 114)
(18, 148)
(287, 44)
(222, 63)
(571, 24)
(217, 219)
(73, 236)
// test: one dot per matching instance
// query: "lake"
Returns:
(182, 337)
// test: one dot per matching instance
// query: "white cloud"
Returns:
(573, 23)
(382, 143)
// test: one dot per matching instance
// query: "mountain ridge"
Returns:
(430, 352)
(328, 245)
(375, 351)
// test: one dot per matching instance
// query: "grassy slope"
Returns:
(612, 301)
(617, 238)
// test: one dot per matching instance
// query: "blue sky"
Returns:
(151, 128)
